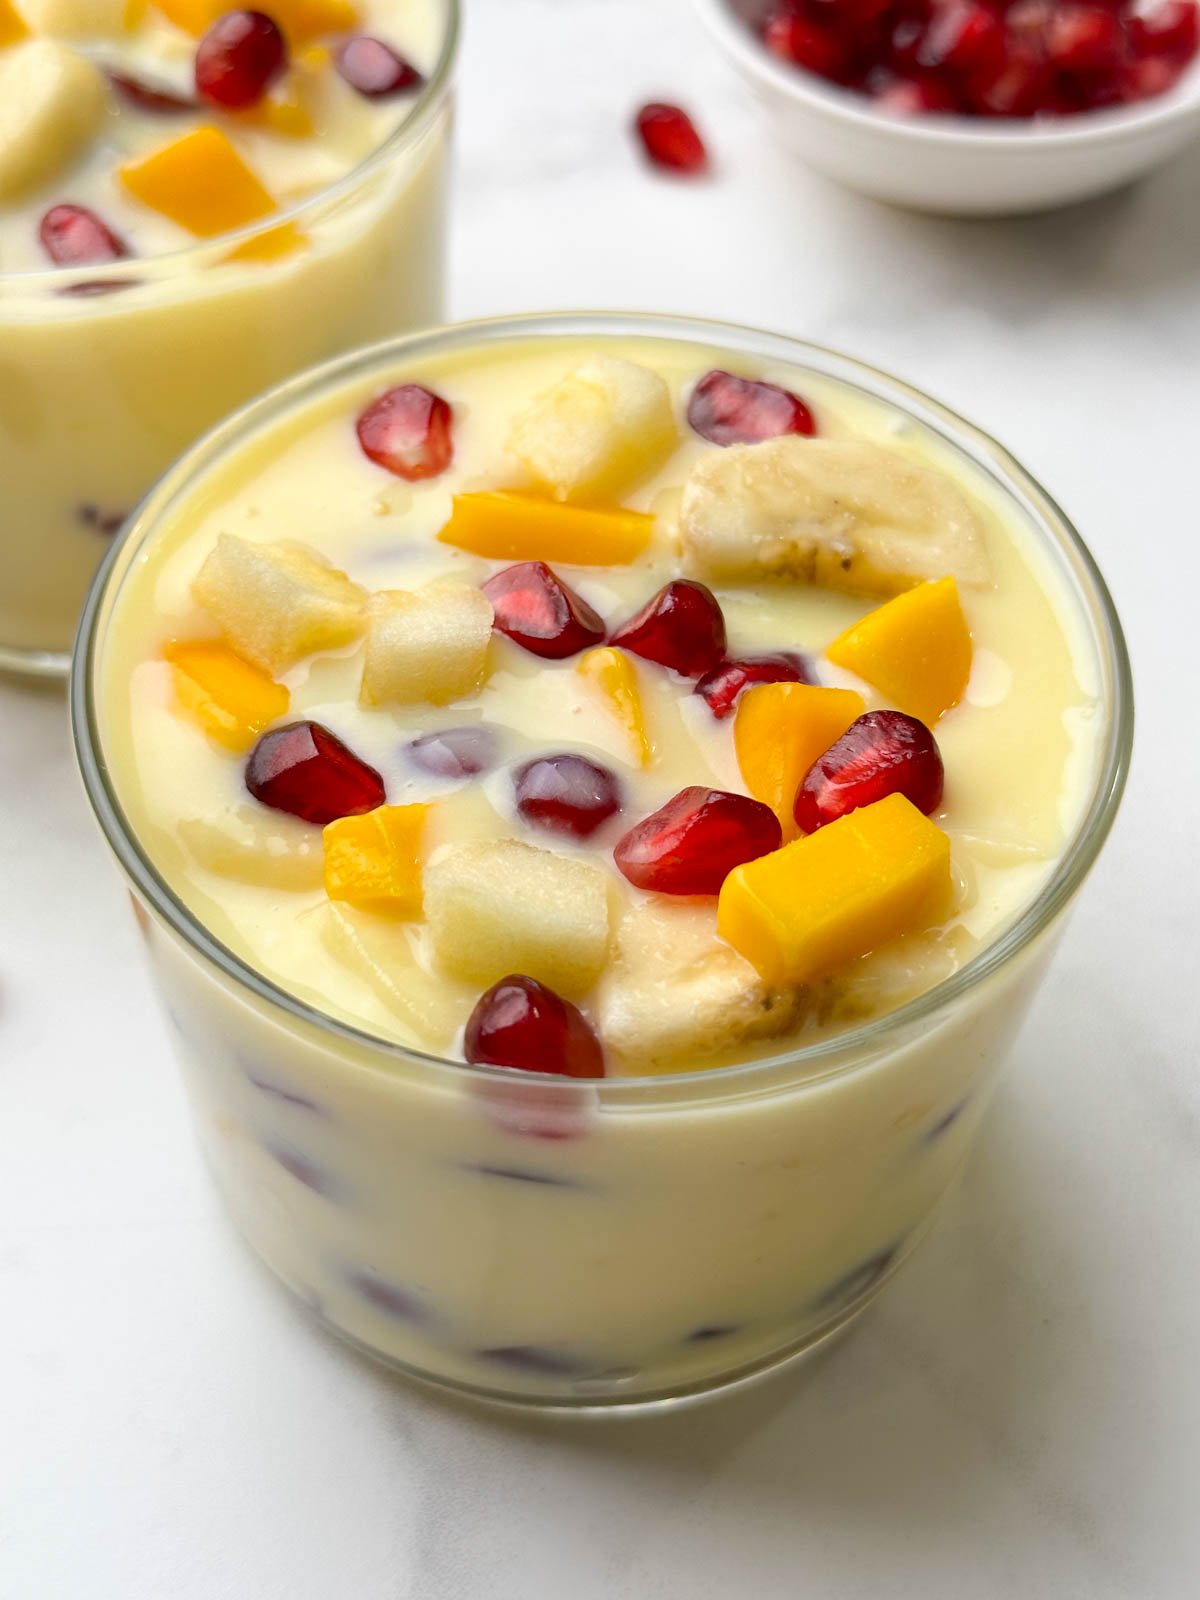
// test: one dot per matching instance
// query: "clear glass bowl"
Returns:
(632, 1240)
(108, 372)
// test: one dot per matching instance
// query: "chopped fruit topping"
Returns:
(427, 644)
(881, 753)
(521, 1023)
(599, 429)
(277, 603)
(230, 699)
(693, 843)
(13, 27)
(537, 610)
(723, 686)
(725, 410)
(407, 430)
(51, 103)
(374, 69)
(682, 627)
(780, 730)
(238, 60)
(308, 772)
(808, 909)
(454, 752)
(146, 97)
(300, 20)
(83, 19)
(200, 182)
(518, 527)
(916, 649)
(500, 905)
(251, 845)
(615, 676)
(670, 139)
(374, 860)
(846, 513)
(566, 794)
(287, 110)
(73, 236)
(377, 951)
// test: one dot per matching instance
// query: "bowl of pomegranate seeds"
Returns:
(973, 107)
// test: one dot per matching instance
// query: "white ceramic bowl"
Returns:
(951, 164)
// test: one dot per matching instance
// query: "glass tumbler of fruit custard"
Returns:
(599, 793)
(195, 202)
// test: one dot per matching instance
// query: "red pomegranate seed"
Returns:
(907, 97)
(806, 44)
(725, 409)
(884, 752)
(407, 430)
(566, 793)
(963, 36)
(1170, 32)
(238, 60)
(73, 236)
(1015, 88)
(307, 771)
(374, 69)
(1084, 39)
(682, 627)
(146, 97)
(454, 752)
(670, 139)
(537, 610)
(521, 1023)
(693, 843)
(722, 686)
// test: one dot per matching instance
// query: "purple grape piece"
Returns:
(288, 1096)
(101, 520)
(856, 1282)
(525, 1175)
(454, 752)
(390, 1298)
(536, 1359)
(943, 1124)
(302, 1169)
(716, 1331)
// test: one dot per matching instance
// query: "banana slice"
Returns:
(51, 103)
(843, 513)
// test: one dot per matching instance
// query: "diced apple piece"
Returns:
(525, 527)
(604, 425)
(13, 26)
(426, 644)
(890, 977)
(83, 19)
(257, 847)
(675, 994)
(780, 729)
(200, 182)
(230, 699)
(374, 859)
(51, 103)
(916, 650)
(615, 679)
(378, 950)
(501, 906)
(802, 912)
(277, 603)
(300, 20)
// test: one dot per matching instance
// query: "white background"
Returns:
(1019, 1416)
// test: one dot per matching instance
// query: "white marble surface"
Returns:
(1019, 1415)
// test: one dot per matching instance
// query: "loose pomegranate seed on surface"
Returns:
(454, 752)
(374, 69)
(308, 772)
(726, 409)
(722, 686)
(408, 431)
(521, 1023)
(238, 60)
(882, 753)
(693, 843)
(670, 139)
(538, 611)
(73, 236)
(681, 627)
(566, 793)
(147, 97)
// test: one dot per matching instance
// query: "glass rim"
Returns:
(862, 1043)
(169, 263)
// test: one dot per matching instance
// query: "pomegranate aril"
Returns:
(726, 409)
(521, 1023)
(722, 686)
(566, 794)
(308, 772)
(537, 610)
(670, 139)
(373, 69)
(73, 236)
(1170, 32)
(408, 431)
(681, 627)
(963, 36)
(1084, 39)
(238, 60)
(453, 752)
(907, 97)
(807, 44)
(882, 753)
(693, 843)
(147, 97)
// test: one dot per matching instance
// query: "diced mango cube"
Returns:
(12, 24)
(288, 109)
(193, 16)
(427, 644)
(615, 677)
(200, 182)
(916, 649)
(374, 859)
(230, 699)
(300, 20)
(803, 911)
(82, 19)
(524, 527)
(780, 729)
